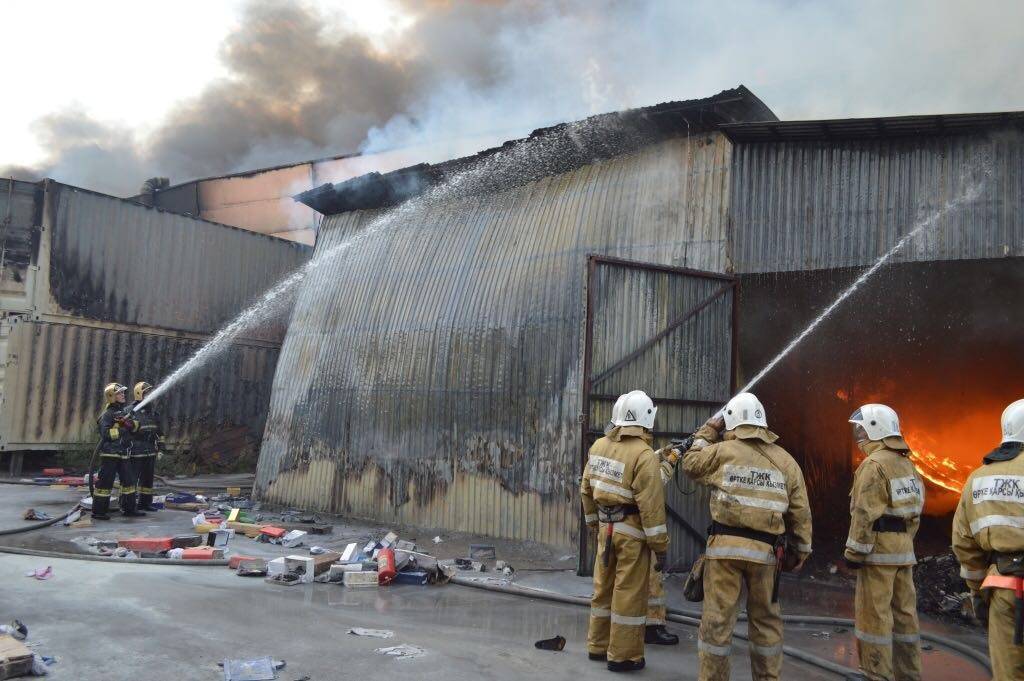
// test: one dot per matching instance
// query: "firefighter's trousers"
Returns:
(1007, 659)
(655, 597)
(888, 636)
(144, 466)
(619, 606)
(114, 466)
(722, 582)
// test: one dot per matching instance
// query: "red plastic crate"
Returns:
(147, 544)
(202, 553)
(274, 532)
(233, 561)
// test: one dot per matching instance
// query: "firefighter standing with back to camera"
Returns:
(885, 510)
(988, 540)
(115, 427)
(759, 505)
(146, 442)
(624, 498)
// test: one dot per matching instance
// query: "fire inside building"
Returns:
(452, 365)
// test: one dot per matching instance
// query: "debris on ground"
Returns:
(823, 635)
(556, 643)
(15, 628)
(41, 573)
(402, 652)
(73, 517)
(33, 514)
(258, 669)
(941, 591)
(482, 552)
(15, 658)
(372, 633)
(437, 540)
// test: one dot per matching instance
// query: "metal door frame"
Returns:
(730, 284)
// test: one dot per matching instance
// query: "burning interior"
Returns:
(932, 340)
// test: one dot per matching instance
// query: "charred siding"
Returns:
(431, 374)
(832, 203)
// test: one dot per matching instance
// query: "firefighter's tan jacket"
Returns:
(886, 484)
(757, 485)
(623, 469)
(989, 518)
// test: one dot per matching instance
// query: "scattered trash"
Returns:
(39, 665)
(74, 516)
(556, 643)
(259, 669)
(348, 554)
(372, 633)
(316, 550)
(186, 541)
(437, 540)
(360, 579)
(940, 590)
(41, 573)
(15, 628)
(415, 577)
(86, 503)
(467, 564)
(176, 554)
(82, 522)
(293, 539)
(33, 514)
(273, 532)
(402, 652)
(219, 538)
(482, 552)
(148, 544)
(202, 553)
(823, 635)
(252, 567)
(276, 567)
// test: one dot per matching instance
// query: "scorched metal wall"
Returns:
(431, 373)
(820, 204)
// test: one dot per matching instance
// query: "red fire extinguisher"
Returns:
(386, 566)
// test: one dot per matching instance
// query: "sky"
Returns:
(105, 95)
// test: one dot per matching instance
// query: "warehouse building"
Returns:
(460, 345)
(95, 289)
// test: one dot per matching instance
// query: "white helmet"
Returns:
(637, 410)
(617, 409)
(877, 420)
(1013, 422)
(744, 409)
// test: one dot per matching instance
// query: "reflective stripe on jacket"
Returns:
(886, 484)
(623, 469)
(757, 485)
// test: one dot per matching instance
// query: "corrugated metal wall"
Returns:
(55, 374)
(431, 374)
(838, 203)
(117, 261)
(17, 242)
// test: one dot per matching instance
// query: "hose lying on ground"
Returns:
(39, 525)
(692, 617)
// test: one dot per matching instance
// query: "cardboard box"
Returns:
(250, 530)
(324, 561)
(15, 658)
(219, 538)
(360, 579)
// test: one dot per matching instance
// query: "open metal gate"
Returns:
(671, 332)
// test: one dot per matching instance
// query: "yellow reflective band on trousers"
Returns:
(146, 490)
(887, 632)
(618, 608)
(723, 581)
(101, 492)
(1007, 659)
(655, 597)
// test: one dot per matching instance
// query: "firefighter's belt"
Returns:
(1011, 564)
(616, 514)
(890, 523)
(768, 538)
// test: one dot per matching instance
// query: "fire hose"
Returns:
(692, 618)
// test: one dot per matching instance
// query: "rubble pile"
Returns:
(940, 590)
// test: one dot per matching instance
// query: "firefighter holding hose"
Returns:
(624, 500)
(885, 510)
(759, 507)
(988, 540)
(146, 442)
(115, 427)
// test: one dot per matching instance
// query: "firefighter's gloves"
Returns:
(126, 422)
(980, 606)
(853, 564)
(659, 562)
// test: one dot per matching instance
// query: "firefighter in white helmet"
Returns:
(759, 506)
(623, 497)
(988, 540)
(885, 510)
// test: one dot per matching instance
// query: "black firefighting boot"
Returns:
(626, 665)
(128, 506)
(657, 634)
(598, 657)
(100, 508)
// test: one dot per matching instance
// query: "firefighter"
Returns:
(758, 507)
(885, 509)
(988, 533)
(115, 427)
(146, 442)
(624, 499)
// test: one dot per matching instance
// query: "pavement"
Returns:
(123, 621)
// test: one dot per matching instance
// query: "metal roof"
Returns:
(897, 126)
(621, 132)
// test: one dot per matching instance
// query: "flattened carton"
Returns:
(15, 658)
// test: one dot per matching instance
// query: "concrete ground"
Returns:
(121, 621)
